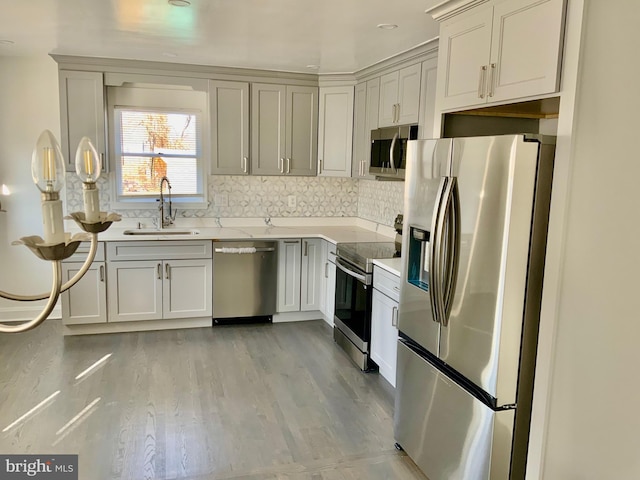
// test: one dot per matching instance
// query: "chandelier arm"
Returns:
(42, 296)
(53, 298)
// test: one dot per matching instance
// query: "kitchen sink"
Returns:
(164, 231)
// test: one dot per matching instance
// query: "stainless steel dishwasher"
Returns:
(244, 279)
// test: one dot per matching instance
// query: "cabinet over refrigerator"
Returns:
(475, 226)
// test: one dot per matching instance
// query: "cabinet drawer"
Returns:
(81, 253)
(158, 250)
(387, 283)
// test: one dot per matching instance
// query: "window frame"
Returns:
(163, 104)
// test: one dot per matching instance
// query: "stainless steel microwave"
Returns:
(389, 150)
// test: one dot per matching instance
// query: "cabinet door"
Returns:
(311, 274)
(335, 131)
(289, 275)
(187, 288)
(463, 59)
(409, 94)
(526, 48)
(82, 113)
(302, 130)
(229, 107)
(86, 301)
(268, 129)
(330, 293)
(135, 290)
(388, 99)
(384, 335)
(373, 106)
(359, 130)
(428, 80)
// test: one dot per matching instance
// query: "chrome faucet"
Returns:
(165, 220)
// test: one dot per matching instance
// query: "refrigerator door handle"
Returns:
(441, 252)
(434, 263)
(452, 248)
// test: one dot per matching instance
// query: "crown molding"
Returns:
(450, 8)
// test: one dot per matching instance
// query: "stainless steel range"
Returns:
(352, 314)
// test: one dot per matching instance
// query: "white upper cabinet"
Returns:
(82, 113)
(500, 51)
(365, 119)
(229, 107)
(400, 96)
(283, 129)
(268, 108)
(335, 131)
(301, 130)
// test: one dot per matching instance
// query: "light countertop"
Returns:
(391, 265)
(337, 232)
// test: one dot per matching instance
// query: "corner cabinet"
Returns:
(335, 131)
(284, 138)
(400, 96)
(82, 113)
(365, 119)
(500, 51)
(159, 280)
(229, 110)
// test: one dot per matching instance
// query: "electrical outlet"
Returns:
(221, 200)
(291, 201)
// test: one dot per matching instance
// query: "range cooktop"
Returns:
(362, 254)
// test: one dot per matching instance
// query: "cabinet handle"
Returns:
(326, 269)
(102, 160)
(244, 164)
(393, 113)
(288, 165)
(167, 271)
(281, 165)
(306, 248)
(394, 317)
(159, 271)
(292, 241)
(491, 79)
(102, 273)
(481, 83)
(397, 112)
(319, 166)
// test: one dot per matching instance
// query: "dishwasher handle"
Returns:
(243, 250)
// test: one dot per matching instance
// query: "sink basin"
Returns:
(164, 231)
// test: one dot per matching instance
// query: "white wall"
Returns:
(593, 424)
(28, 104)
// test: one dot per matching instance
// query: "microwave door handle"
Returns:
(350, 272)
(391, 153)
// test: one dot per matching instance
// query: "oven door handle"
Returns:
(350, 272)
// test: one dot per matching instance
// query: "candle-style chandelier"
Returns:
(47, 170)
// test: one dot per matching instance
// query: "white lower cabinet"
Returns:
(86, 301)
(299, 275)
(328, 285)
(163, 288)
(384, 320)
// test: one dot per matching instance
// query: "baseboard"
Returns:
(26, 313)
(297, 316)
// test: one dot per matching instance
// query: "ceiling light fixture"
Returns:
(169, 54)
(313, 67)
(179, 3)
(387, 26)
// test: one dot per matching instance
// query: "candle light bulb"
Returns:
(88, 164)
(47, 163)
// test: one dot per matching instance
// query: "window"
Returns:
(156, 133)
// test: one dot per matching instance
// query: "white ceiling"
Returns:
(337, 35)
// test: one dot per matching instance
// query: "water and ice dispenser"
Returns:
(418, 261)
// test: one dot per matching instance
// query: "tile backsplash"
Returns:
(262, 196)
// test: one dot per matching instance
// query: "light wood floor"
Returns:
(236, 402)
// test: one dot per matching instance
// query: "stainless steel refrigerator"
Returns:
(474, 237)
